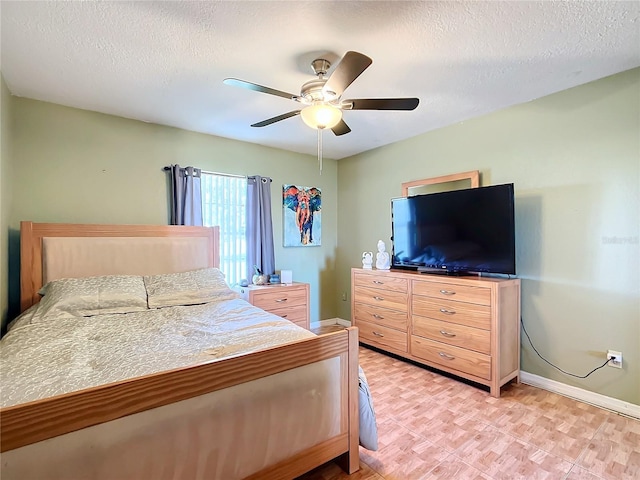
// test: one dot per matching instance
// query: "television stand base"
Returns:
(441, 271)
(405, 313)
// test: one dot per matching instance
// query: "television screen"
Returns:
(469, 230)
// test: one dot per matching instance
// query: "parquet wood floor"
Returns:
(434, 427)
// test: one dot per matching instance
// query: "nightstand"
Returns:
(290, 301)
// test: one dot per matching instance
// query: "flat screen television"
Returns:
(470, 230)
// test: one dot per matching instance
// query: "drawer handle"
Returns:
(281, 300)
(448, 312)
(378, 282)
(447, 334)
(378, 334)
(444, 355)
(284, 316)
(379, 317)
(447, 292)
(378, 298)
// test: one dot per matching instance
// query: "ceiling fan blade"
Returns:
(381, 104)
(349, 68)
(269, 121)
(341, 128)
(258, 88)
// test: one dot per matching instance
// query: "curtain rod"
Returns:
(215, 173)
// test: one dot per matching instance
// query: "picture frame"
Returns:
(301, 216)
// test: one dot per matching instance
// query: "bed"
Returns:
(254, 412)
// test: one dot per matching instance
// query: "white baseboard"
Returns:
(345, 323)
(602, 401)
(331, 321)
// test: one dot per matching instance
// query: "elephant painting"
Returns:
(301, 216)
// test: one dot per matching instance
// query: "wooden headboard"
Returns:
(55, 250)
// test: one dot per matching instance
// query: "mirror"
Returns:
(455, 181)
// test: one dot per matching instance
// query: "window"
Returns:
(224, 203)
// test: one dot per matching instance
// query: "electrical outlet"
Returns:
(617, 363)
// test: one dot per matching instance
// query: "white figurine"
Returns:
(367, 260)
(382, 257)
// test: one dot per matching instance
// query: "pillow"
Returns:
(368, 427)
(187, 288)
(85, 297)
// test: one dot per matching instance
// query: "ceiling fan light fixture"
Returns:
(321, 115)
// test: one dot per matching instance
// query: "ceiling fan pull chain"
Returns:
(320, 149)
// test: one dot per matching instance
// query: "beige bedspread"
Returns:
(46, 358)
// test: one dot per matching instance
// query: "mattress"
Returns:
(44, 358)
(226, 434)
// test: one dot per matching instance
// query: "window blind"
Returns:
(224, 204)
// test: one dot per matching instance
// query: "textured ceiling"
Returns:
(164, 62)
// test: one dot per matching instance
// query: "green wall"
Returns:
(6, 141)
(574, 158)
(78, 166)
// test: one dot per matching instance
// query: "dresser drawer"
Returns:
(382, 281)
(475, 339)
(450, 291)
(268, 299)
(382, 337)
(460, 359)
(478, 316)
(382, 316)
(295, 314)
(381, 298)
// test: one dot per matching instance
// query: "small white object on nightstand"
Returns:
(286, 276)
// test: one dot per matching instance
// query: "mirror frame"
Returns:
(473, 176)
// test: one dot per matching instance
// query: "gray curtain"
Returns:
(186, 195)
(260, 250)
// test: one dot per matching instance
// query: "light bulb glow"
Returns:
(321, 116)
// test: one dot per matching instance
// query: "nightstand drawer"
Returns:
(458, 293)
(289, 301)
(295, 314)
(381, 298)
(383, 337)
(279, 297)
(381, 316)
(478, 316)
(302, 324)
(466, 361)
(462, 336)
(382, 281)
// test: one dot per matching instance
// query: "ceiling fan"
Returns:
(321, 98)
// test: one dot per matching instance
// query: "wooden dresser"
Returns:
(290, 301)
(468, 326)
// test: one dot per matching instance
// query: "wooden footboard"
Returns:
(44, 420)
